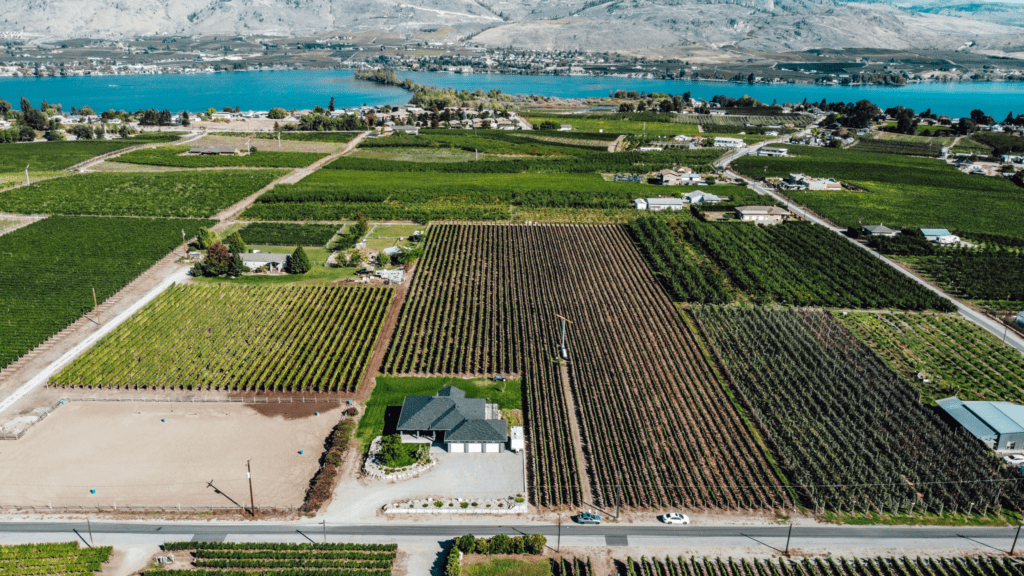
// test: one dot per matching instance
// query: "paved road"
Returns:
(966, 311)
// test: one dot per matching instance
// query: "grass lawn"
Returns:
(394, 230)
(392, 390)
(509, 567)
(318, 256)
(969, 146)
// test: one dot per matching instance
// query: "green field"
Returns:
(903, 144)
(509, 567)
(172, 156)
(613, 125)
(53, 156)
(280, 234)
(188, 194)
(319, 272)
(392, 390)
(958, 357)
(339, 137)
(899, 191)
(44, 559)
(51, 267)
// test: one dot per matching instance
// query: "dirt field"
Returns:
(129, 456)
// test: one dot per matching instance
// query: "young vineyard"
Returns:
(851, 432)
(694, 566)
(225, 559)
(284, 338)
(956, 357)
(58, 559)
(51, 267)
(485, 301)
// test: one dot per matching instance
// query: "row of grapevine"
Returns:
(484, 301)
(227, 559)
(683, 277)
(829, 566)
(977, 274)
(293, 338)
(851, 433)
(955, 356)
(43, 559)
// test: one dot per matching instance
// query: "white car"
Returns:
(1014, 460)
(675, 518)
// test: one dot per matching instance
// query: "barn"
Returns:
(1000, 425)
(461, 424)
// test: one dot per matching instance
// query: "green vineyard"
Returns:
(290, 338)
(816, 567)
(41, 559)
(225, 559)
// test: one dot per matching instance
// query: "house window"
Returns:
(1011, 445)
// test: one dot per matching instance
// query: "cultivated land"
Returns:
(178, 156)
(225, 559)
(285, 338)
(633, 360)
(44, 559)
(54, 156)
(130, 457)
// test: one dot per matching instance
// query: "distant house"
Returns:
(565, 128)
(275, 262)
(696, 197)
(410, 130)
(669, 177)
(659, 204)
(392, 276)
(773, 152)
(650, 149)
(762, 214)
(880, 230)
(726, 142)
(690, 178)
(802, 182)
(1020, 319)
(640, 204)
(213, 151)
(939, 236)
(461, 424)
(1000, 425)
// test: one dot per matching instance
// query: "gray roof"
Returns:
(462, 419)
(985, 420)
(955, 408)
(478, 431)
(879, 229)
(451, 392)
(761, 210)
(263, 257)
(664, 201)
(935, 232)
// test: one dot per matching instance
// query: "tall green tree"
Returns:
(207, 238)
(298, 262)
(236, 244)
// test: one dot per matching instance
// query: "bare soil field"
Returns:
(130, 456)
(226, 140)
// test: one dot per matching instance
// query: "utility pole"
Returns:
(618, 497)
(325, 530)
(252, 502)
(89, 524)
(1015, 540)
(559, 548)
(565, 355)
(184, 243)
(790, 535)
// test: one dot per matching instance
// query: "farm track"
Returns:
(375, 363)
(652, 416)
(577, 440)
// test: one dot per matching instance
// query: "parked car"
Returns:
(1014, 460)
(588, 518)
(675, 518)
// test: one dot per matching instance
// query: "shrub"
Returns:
(535, 543)
(465, 504)
(452, 566)
(500, 544)
(466, 543)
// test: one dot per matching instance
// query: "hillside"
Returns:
(620, 25)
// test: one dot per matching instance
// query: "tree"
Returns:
(164, 118)
(185, 121)
(298, 262)
(34, 119)
(6, 107)
(641, 106)
(217, 262)
(55, 135)
(500, 544)
(206, 238)
(25, 105)
(330, 107)
(236, 267)
(81, 131)
(466, 544)
(236, 244)
(535, 543)
(26, 134)
(452, 566)
(547, 125)
(319, 110)
(277, 114)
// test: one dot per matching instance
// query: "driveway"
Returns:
(455, 476)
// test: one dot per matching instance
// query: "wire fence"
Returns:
(132, 508)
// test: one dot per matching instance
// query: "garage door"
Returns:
(473, 447)
(456, 447)
(491, 447)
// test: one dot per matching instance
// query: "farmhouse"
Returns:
(697, 197)
(461, 424)
(213, 151)
(762, 214)
(392, 276)
(1000, 425)
(256, 260)
(410, 130)
(880, 230)
(669, 177)
(773, 152)
(802, 182)
(725, 142)
(939, 236)
(659, 204)
(640, 204)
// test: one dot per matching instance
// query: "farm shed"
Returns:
(701, 198)
(461, 424)
(276, 262)
(939, 236)
(762, 214)
(773, 152)
(640, 204)
(880, 230)
(659, 204)
(727, 142)
(1000, 425)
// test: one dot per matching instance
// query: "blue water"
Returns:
(308, 88)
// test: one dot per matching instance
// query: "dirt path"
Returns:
(577, 440)
(227, 215)
(387, 332)
(614, 146)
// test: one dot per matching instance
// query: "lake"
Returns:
(308, 88)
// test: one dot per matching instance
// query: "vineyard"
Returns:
(850, 432)
(58, 559)
(53, 156)
(51, 267)
(277, 234)
(484, 301)
(828, 566)
(904, 144)
(172, 156)
(901, 191)
(803, 264)
(281, 338)
(976, 274)
(185, 194)
(226, 559)
(957, 357)
(680, 273)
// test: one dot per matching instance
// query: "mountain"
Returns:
(617, 25)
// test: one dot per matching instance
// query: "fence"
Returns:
(20, 433)
(65, 508)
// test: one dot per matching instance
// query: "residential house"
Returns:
(461, 424)
(939, 236)
(773, 152)
(762, 214)
(697, 197)
(659, 204)
(640, 204)
(880, 230)
(669, 177)
(726, 142)
(274, 262)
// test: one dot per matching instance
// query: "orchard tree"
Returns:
(298, 262)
